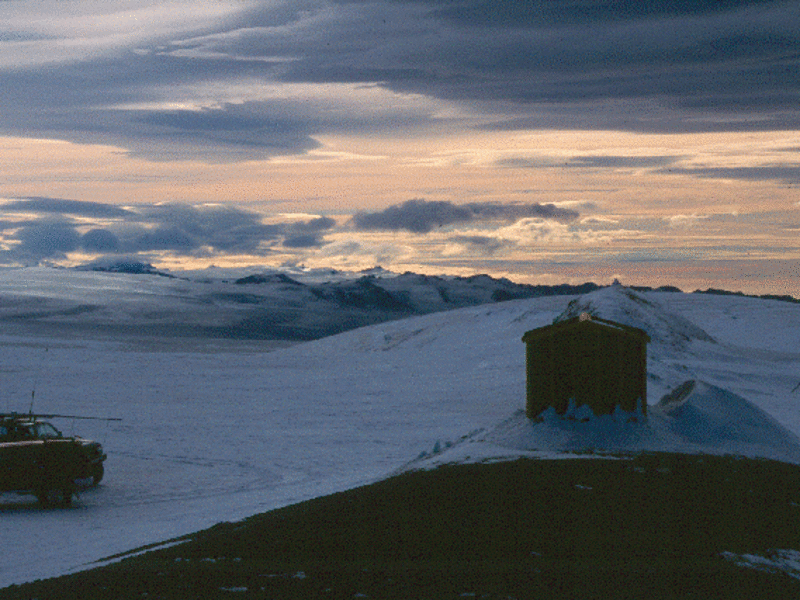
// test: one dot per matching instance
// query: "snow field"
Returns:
(217, 430)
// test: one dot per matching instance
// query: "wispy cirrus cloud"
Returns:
(787, 173)
(597, 161)
(61, 206)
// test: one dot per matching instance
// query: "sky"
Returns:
(546, 141)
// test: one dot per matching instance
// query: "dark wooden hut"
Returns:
(589, 360)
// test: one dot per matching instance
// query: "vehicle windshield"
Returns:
(45, 431)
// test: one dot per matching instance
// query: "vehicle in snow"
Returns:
(37, 458)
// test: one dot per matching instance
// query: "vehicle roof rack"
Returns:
(34, 416)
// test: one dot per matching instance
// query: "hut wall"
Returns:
(591, 363)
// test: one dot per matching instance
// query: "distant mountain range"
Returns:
(135, 298)
(342, 304)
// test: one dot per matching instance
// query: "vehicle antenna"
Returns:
(35, 381)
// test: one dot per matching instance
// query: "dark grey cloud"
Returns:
(786, 173)
(482, 243)
(735, 56)
(46, 239)
(40, 204)
(180, 226)
(249, 129)
(100, 240)
(646, 117)
(51, 232)
(621, 162)
(514, 212)
(422, 216)
(164, 238)
(417, 216)
(303, 240)
(79, 103)
(537, 12)
(307, 234)
(315, 225)
(589, 162)
(640, 66)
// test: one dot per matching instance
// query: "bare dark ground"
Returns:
(651, 526)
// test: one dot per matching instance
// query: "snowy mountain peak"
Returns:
(623, 305)
(132, 267)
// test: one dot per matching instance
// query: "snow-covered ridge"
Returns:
(285, 305)
(118, 298)
(623, 305)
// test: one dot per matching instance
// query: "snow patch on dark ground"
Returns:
(784, 561)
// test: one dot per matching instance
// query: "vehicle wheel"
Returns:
(66, 496)
(97, 473)
(55, 496)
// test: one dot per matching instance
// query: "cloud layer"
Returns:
(421, 216)
(238, 80)
(52, 228)
(452, 134)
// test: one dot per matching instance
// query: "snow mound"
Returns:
(623, 305)
(695, 418)
(578, 430)
(706, 415)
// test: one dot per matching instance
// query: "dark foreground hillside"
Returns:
(654, 526)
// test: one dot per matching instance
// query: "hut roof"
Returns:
(585, 320)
